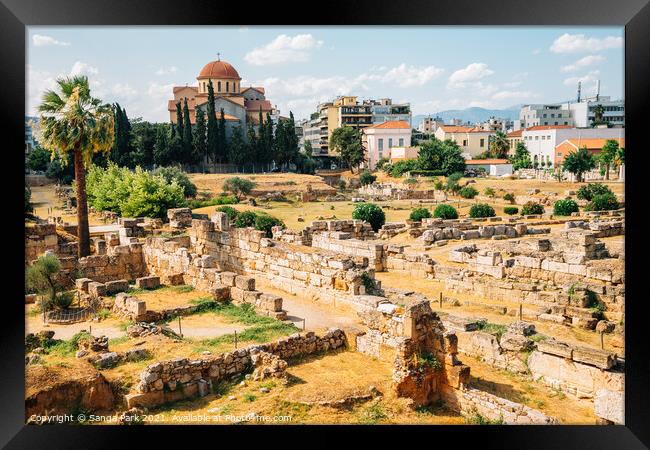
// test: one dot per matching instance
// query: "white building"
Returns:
(583, 112)
(429, 125)
(542, 140)
(538, 115)
(379, 139)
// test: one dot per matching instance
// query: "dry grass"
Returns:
(272, 182)
(43, 197)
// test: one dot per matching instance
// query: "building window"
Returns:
(401, 142)
(218, 86)
(380, 144)
(482, 142)
(227, 86)
(536, 138)
(390, 142)
(555, 123)
(464, 142)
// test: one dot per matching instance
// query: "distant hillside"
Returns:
(471, 115)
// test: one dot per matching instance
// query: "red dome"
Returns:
(218, 69)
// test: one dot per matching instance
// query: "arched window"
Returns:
(219, 86)
(227, 86)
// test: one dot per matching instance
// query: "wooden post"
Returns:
(303, 324)
(520, 311)
(235, 338)
(602, 340)
(91, 330)
(180, 329)
(441, 300)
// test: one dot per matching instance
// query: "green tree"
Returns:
(38, 159)
(188, 139)
(200, 143)
(122, 145)
(521, 158)
(418, 214)
(440, 155)
(221, 137)
(179, 122)
(175, 174)
(444, 211)
(237, 150)
(599, 112)
(367, 177)
(42, 278)
(74, 122)
(309, 151)
(346, 141)
(144, 141)
(579, 162)
(371, 213)
(608, 155)
(213, 126)
(253, 146)
(162, 147)
(238, 186)
(499, 145)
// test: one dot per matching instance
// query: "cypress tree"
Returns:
(237, 147)
(200, 145)
(252, 147)
(221, 137)
(268, 141)
(213, 127)
(292, 139)
(179, 120)
(280, 144)
(188, 150)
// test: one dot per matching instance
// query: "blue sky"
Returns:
(433, 68)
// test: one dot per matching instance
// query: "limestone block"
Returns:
(237, 294)
(553, 347)
(245, 283)
(150, 282)
(228, 278)
(594, 357)
(271, 302)
(97, 289)
(113, 287)
(610, 405)
(221, 292)
(252, 296)
(82, 284)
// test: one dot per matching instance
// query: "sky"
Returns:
(432, 68)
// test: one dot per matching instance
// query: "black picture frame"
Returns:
(16, 15)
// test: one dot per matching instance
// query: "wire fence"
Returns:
(71, 315)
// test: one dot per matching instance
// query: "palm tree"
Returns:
(73, 121)
(499, 145)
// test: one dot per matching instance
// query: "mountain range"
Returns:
(471, 115)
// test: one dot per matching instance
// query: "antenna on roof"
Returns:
(598, 90)
(579, 85)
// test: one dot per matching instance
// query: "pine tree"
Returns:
(200, 144)
(213, 127)
(188, 150)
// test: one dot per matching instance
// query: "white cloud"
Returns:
(470, 75)
(284, 49)
(166, 70)
(40, 40)
(124, 91)
(514, 95)
(409, 76)
(82, 68)
(583, 62)
(576, 43)
(591, 77)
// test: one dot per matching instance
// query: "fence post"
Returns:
(441, 300)
(180, 330)
(303, 324)
(602, 340)
(235, 338)
(520, 311)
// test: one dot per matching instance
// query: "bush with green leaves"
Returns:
(128, 193)
(511, 210)
(438, 184)
(381, 163)
(603, 202)
(532, 209)
(370, 213)
(367, 177)
(401, 167)
(221, 199)
(43, 278)
(175, 173)
(265, 222)
(489, 192)
(245, 219)
(38, 159)
(468, 192)
(238, 186)
(443, 211)
(565, 207)
(341, 184)
(230, 212)
(411, 181)
(419, 213)
(453, 181)
(481, 210)
(589, 191)
(509, 197)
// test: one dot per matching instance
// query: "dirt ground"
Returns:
(270, 182)
(43, 198)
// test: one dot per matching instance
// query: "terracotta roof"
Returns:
(254, 105)
(463, 129)
(180, 88)
(486, 161)
(591, 144)
(548, 127)
(218, 69)
(257, 88)
(392, 124)
(516, 133)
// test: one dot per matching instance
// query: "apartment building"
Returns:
(583, 112)
(472, 140)
(540, 115)
(380, 139)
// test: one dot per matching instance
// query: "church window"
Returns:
(227, 86)
(219, 86)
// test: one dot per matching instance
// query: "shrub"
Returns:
(42, 278)
(230, 212)
(381, 163)
(341, 185)
(221, 199)
(401, 167)
(370, 213)
(176, 174)
(589, 191)
(419, 213)
(468, 192)
(245, 219)
(532, 208)
(511, 210)
(367, 178)
(265, 222)
(438, 184)
(509, 197)
(445, 212)
(128, 193)
(452, 181)
(238, 186)
(481, 210)
(489, 192)
(411, 181)
(565, 207)
(602, 202)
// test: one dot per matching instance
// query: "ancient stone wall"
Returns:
(40, 238)
(399, 192)
(168, 381)
(343, 243)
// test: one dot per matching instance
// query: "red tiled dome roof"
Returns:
(218, 69)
